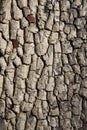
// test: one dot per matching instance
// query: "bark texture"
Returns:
(43, 64)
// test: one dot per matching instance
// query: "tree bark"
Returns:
(43, 65)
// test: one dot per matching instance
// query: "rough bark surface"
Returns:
(43, 64)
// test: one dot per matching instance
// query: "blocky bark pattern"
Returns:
(43, 64)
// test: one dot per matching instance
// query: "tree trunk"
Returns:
(43, 65)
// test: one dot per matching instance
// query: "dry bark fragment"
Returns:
(31, 18)
(15, 43)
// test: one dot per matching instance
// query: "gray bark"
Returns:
(43, 65)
